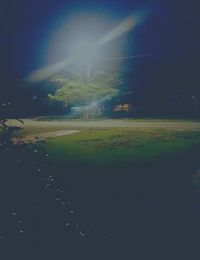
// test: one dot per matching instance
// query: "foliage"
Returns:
(81, 88)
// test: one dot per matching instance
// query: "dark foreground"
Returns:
(84, 212)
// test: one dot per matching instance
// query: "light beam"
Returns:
(125, 26)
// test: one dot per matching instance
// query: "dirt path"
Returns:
(42, 136)
(176, 125)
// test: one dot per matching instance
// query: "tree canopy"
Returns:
(79, 88)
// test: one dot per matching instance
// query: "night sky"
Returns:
(168, 37)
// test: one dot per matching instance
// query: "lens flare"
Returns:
(46, 72)
(125, 26)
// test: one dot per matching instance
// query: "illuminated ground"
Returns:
(169, 124)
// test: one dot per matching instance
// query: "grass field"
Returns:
(122, 148)
(123, 145)
(158, 154)
(146, 158)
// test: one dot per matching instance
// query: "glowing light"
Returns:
(44, 73)
(123, 27)
(93, 104)
(85, 51)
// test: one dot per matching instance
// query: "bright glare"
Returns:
(93, 104)
(85, 51)
(46, 72)
(123, 27)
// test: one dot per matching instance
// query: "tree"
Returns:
(80, 88)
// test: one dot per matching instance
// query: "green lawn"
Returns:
(159, 152)
(123, 145)
(156, 158)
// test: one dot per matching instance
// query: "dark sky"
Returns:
(169, 38)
